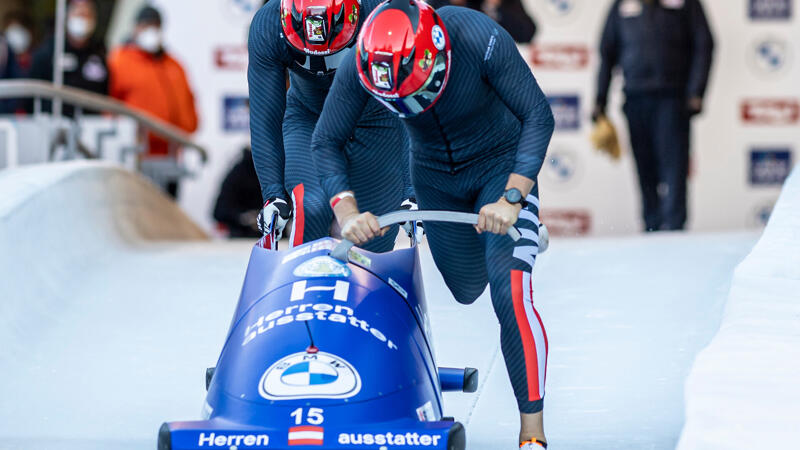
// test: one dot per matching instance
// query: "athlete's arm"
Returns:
(510, 76)
(343, 107)
(267, 82)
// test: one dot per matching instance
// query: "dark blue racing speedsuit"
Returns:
(281, 124)
(492, 120)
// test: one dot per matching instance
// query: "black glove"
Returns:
(278, 208)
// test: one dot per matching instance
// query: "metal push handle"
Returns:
(343, 249)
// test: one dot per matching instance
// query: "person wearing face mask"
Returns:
(84, 62)
(17, 33)
(145, 76)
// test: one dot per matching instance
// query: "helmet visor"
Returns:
(424, 97)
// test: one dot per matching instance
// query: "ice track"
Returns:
(123, 344)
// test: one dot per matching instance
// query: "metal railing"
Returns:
(80, 99)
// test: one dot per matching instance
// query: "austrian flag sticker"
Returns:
(306, 435)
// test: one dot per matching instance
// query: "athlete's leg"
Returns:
(312, 212)
(456, 248)
(522, 335)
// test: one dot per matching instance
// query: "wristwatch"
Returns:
(514, 196)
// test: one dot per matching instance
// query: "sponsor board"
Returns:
(770, 9)
(761, 214)
(771, 111)
(565, 57)
(240, 11)
(567, 223)
(306, 435)
(236, 113)
(561, 166)
(309, 375)
(231, 57)
(770, 56)
(228, 441)
(770, 166)
(390, 439)
(567, 111)
(560, 11)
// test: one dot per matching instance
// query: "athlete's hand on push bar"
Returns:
(497, 217)
(358, 228)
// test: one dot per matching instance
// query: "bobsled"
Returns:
(329, 347)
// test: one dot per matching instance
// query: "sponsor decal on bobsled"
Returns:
(232, 440)
(425, 412)
(320, 311)
(309, 375)
(322, 266)
(390, 439)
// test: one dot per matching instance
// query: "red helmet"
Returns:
(403, 56)
(319, 28)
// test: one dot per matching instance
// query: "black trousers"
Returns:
(659, 127)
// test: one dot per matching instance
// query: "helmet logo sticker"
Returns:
(353, 17)
(381, 76)
(315, 25)
(438, 37)
(426, 60)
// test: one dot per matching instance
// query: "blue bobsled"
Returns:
(330, 348)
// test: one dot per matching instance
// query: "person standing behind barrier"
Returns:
(665, 49)
(84, 57)
(17, 30)
(146, 77)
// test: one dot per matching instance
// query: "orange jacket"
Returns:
(154, 84)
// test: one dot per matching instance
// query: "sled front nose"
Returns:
(458, 380)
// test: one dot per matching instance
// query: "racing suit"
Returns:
(281, 124)
(491, 120)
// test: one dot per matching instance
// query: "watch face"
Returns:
(513, 196)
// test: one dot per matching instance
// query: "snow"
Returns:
(743, 390)
(108, 327)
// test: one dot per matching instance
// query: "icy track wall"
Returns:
(57, 219)
(744, 389)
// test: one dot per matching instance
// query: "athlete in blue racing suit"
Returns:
(282, 122)
(479, 126)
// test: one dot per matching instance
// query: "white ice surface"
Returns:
(124, 346)
(743, 391)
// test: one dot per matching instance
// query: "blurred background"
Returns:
(743, 143)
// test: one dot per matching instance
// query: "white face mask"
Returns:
(18, 37)
(149, 39)
(79, 27)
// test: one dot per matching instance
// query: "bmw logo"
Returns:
(561, 167)
(309, 373)
(560, 10)
(306, 375)
(770, 56)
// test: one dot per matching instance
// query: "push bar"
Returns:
(343, 249)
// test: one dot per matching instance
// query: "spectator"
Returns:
(509, 14)
(84, 57)
(8, 69)
(239, 200)
(665, 49)
(146, 77)
(18, 31)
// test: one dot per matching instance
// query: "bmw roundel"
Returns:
(438, 37)
(309, 375)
